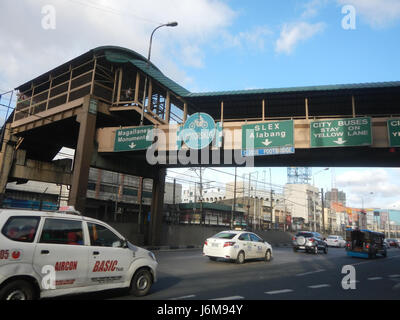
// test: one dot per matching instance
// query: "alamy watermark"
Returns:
(49, 17)
(349, 281)
(349, 21)
(162, 153)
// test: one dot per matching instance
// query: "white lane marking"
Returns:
(372, 261)
(279, 291)
(354, 281)
(311, 272)
(394, 276)
(374, 278)
(184, 297)
(230, 298)
(318, 286)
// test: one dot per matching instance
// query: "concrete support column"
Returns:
(157, 206)
(6, 159)
(83, 154)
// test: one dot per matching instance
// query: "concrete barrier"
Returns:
(178, 237)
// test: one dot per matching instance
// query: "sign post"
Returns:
(352, 132)
(268, 138)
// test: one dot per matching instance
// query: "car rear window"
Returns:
(225, 235)
(304, 234)
(21, 229)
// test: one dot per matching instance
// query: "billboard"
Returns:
(384, 219)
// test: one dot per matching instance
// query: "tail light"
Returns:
(348, 245)
(205, 243)
(229, 244)
(294, 238)
(367, 246)
(311, 240)
(336, 241)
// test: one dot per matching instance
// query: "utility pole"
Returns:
(271, 196)
(234, 198)
(201, 195)
(323, 210)
(255, 204)
(272, 210)
(140, 199)
(315, 218)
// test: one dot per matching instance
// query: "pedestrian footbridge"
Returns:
(113, 107)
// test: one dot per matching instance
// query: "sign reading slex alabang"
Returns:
(268, 138)
(352, 132)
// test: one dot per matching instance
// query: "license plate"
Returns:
(215, 245)
(302, 247)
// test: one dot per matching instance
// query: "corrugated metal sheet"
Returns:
(356, 86)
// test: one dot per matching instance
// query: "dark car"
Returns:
(309, 242)
(392, 243)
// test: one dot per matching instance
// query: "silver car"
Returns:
(309, 241)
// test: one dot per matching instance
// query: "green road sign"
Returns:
(394, 132)
(352, 132)
(268, 135)
(133, 139)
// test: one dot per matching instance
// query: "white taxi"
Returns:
(238, 246)
(48, 254)
(335, 241)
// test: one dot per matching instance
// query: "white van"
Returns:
(46, 254)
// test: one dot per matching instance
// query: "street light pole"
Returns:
(170, 24)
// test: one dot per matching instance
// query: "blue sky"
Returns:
(330, 56)
(222, 45)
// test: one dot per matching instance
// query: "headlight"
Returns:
(151, 254)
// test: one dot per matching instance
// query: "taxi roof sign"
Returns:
(69, 210)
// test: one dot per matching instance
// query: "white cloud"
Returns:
(372, 186)
(254, 38)
(311, 8)
(294, 33)
(193, 56)
(377, 13)
(27, 50)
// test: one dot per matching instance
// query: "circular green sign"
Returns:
(198, 131)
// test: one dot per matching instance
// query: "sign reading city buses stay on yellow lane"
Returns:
(394, 132)
(352, 132)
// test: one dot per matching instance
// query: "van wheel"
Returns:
(17, 290)
(141, 283)
(240, 258)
